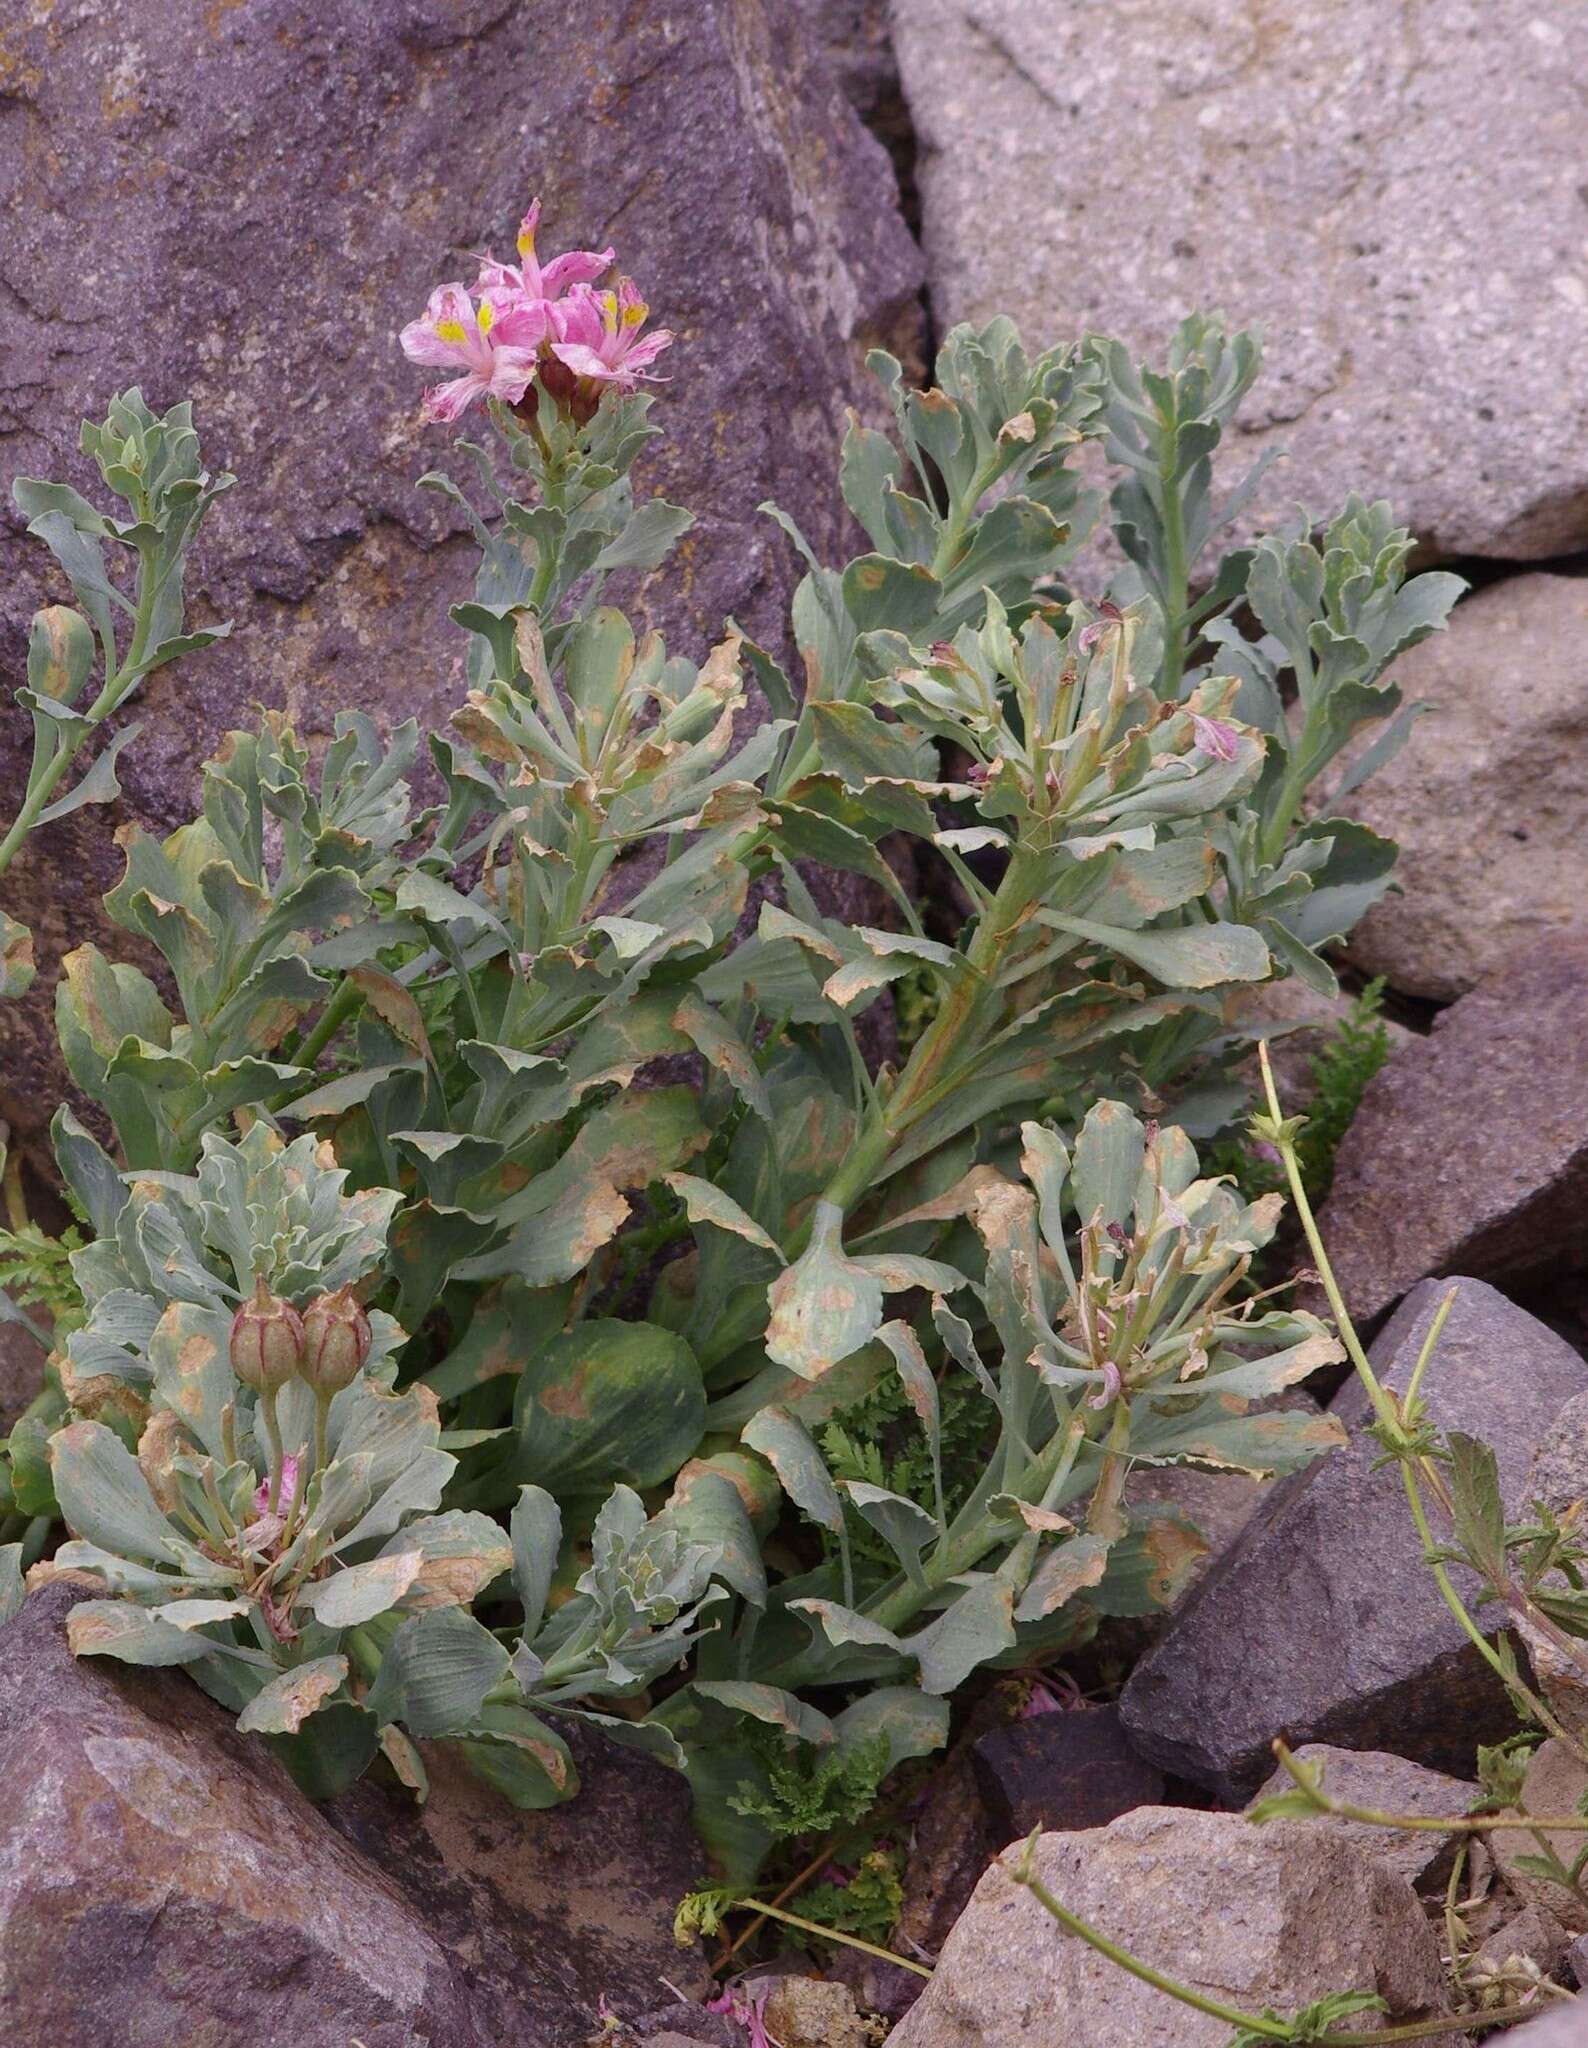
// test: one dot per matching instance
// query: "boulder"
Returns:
(1062, 1771)
(162, 1879)
(1469, 1153)
(1554, 1783)
(256, 198)
(1321, 1622)
(1389, 1784)
(1254, 1917)
(1534, 1938)
(1487, 797)
(1110, 168)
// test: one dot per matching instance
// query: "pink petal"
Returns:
(577, 266)
(449, 402)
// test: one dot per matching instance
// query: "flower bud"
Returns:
(336, 1341)
(267, 1341)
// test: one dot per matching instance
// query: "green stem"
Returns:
(869, 1948)
(1176, 581)
(1253, 2023)
(322, 1417)
(1072, 1923)
(1437, 1824)
(949, 1036)
(267, 1413)
(347, 998)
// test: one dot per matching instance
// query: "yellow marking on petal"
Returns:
(450, 330)
(526, 242)
(487, 315)
(609, 311)
(634, 313)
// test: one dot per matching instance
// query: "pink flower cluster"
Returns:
(528, 321)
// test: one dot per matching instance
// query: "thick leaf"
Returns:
(768, 1703)
(115, 1628)
(825, 1305)
(607, 1401)
(283, 1706)
(104, 1497)
(436, 1673)
(789, 1449)
(976, 1628)
(536, 1529)
(361, 1591)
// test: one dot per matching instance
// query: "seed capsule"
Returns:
(336, 1341)
(267, 1341)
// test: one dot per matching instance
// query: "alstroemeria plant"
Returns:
(500, 1109)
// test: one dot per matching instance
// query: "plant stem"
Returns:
(1072, 1923)
(1232, 2016)
(1470, 1823)
(869, 1948)
(1176, 575)
(267, 1412)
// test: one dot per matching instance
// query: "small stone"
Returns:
(1255, 1917)
(811, 2012)
(1554, 1783)
(1388, 1784)
(1469, 1153)
(1322, 1623)
(1577, 1961)
(1487, 797)
(1534, 1936)
(1063, 1770)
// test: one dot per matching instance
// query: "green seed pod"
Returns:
(267, 1341)
(336, 1341)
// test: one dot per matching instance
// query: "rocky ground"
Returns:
(235, 202)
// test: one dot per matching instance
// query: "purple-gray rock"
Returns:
(1062, 1770)
(1255, 1917)
(1469, 1153)
(1321, 1623)
(242, 205)
(162, 1880)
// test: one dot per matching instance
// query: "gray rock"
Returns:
(1388, 1784)
(1062, 1771)
(257, 197)
(1565, 2026)
(1577, 1961)
(1487, 797)
(1111, 167)
(1255, 1917)
(1321, 1621)
(1469, 1153)
(162, 1879)
(1554, 1783)
(1533, 1936)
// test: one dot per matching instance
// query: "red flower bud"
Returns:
(336, 1341)
(267, 1341)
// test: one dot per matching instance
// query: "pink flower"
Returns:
(455, 333)
(529, 281)
(1214, 737)
(599, 338)
(1044, 1699)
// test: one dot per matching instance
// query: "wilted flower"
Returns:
(290, 1467)
(1108, 617)
(1214, 737)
